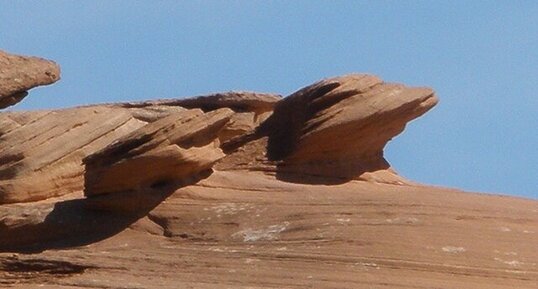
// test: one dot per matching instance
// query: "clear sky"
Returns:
(481, 57)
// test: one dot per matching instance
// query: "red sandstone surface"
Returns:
(241, 190)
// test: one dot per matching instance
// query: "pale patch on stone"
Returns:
(267, 234)
(512, 263)
(216, 249)
(367, 265)
(250, 260)
(505, 229)
(452, 249)
(342, 221)
(398, 220)
(230, 209)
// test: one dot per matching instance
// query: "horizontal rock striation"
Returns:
(18, 74)
(249, 229)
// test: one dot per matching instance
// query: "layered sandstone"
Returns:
(41, 152)
(245, 190)
(337, 128)
(42, 158)
(172, 150)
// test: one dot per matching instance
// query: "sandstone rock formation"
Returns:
(359, 111)
(42, 151)
(41, 158)
(20, 73)
(246, 190)
(173, 149)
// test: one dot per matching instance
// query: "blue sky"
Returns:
(481, 57)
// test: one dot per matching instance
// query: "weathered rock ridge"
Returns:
(133, 145)
(243, 190)
(338, 127)
(18, 74)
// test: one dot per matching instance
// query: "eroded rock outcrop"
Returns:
(250, 108)
(341, 125)
(18, 74)
(129, 157)
(336, 128)
(171, 149)
(245, 189)
(346, 119)
(132, 150)
(41, 152)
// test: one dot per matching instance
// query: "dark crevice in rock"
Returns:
(41, 266)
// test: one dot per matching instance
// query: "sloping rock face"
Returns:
(20, 73)
(41, 158)
(41, 152)
(241, 229)
(245, 190)
(170, 150)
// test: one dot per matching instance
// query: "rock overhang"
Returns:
(18, 74)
